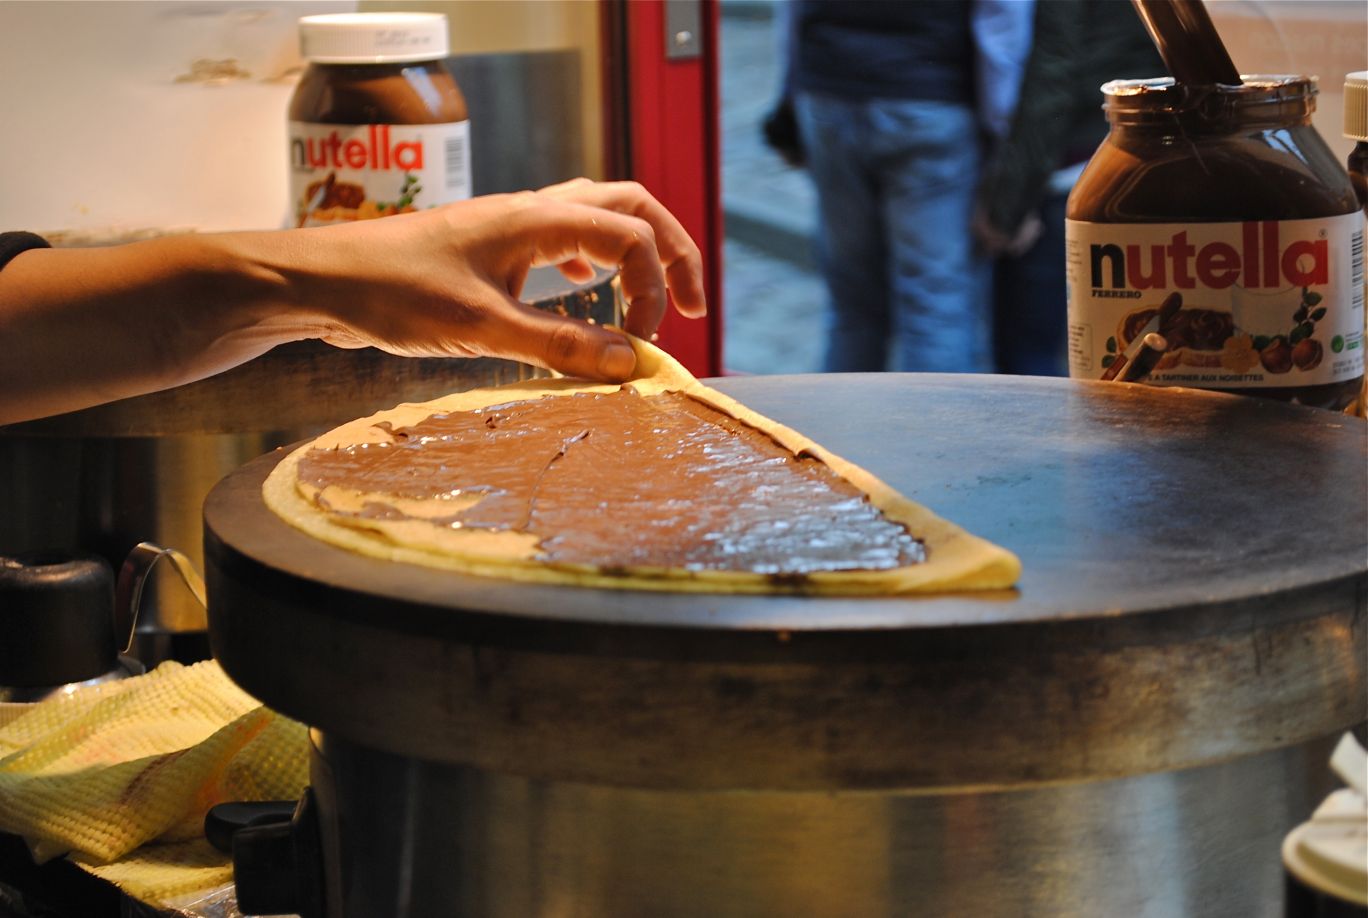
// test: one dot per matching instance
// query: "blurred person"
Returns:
(896, 103)
(779, 125)
(83, 326)
(1058, 124)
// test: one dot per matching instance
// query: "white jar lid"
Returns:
(1329, 854)
(373, 38)
(1356, 105)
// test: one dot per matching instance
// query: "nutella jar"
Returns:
(378, 125)
(1224, 206)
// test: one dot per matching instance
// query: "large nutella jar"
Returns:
(1224, 202)
(378, 125)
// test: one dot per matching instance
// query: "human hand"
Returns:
(995, 242)
(444, 282)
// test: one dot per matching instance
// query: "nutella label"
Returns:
(1260, 304)
(344, 172)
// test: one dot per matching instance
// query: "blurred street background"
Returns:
(773, 297)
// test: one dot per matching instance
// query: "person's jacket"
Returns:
(1078, 46)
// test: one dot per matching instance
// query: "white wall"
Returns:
(494, 26)
(108, 127)
(1321, 38)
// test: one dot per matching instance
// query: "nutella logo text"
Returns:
(375, 152)
(1260, 261)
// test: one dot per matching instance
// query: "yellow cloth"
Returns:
(105, 770)
(173, 875)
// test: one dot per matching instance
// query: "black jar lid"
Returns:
(56, 618)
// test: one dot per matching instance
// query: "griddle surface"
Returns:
(1119, 500)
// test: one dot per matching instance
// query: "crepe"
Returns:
(919, 551)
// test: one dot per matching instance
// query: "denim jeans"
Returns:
(895, 187)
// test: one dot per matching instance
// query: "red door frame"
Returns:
(661, 124)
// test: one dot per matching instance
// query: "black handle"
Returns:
(277, 860)
(226, 819)
(1188, 42)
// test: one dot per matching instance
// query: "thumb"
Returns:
(569, 346)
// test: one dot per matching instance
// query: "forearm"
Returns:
(84, 326)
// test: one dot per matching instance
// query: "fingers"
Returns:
(568, 346)
(577, 270)
(562, 232)
(562, 187)
(465, 302)
(682, 261)
(1025, 236)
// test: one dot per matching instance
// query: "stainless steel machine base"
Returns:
(405, 837)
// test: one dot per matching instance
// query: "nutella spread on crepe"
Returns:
(661, 483)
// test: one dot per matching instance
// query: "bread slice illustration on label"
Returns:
(1196, 336)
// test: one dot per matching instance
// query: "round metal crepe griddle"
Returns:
(1184, 521)
(1117, 499)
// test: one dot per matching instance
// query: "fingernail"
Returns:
(617, 361)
